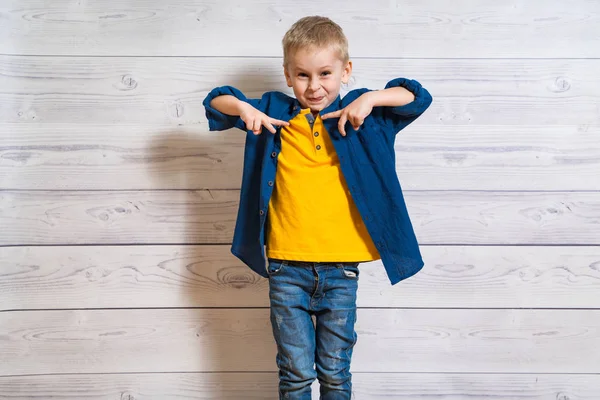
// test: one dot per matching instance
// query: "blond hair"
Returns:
(315, 31)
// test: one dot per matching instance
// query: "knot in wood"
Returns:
(562, 84)
(176, 109)
(128, 82)
(127, 396)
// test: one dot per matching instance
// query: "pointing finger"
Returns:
(279, 122)
(334, 114)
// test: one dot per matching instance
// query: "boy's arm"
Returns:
(227, 107)
(228, 104)
(400, 103)
(225, 115)
(390, 97)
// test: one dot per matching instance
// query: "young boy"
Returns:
(322, 196)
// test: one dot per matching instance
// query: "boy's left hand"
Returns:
(355, 113)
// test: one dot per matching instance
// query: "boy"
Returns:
(331, 195)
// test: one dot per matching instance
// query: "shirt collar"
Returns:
(331, 124)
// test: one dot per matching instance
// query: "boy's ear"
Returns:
(347, 72)
(288, 79)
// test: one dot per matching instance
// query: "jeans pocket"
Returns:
(274, 266)
(350, 270)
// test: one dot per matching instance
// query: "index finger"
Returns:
(278, 122)
(334, 114)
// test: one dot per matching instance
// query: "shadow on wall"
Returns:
(229, 332)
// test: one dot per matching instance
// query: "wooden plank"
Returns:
(57, 156)
(208, 217)
(210, 276)
(261, 386)
(199, 216)
(455, 157)
(229, 340)
(169, 91)
(430, 28)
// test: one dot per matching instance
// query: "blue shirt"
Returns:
(367, 160)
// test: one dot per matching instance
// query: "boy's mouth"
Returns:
(315, 99)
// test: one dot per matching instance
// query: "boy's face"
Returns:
(316, 75)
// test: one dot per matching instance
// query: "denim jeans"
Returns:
(299, 290)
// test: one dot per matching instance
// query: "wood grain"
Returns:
(430, 28)
(65, 156)
(67, 277)
(229, 340)
(117, 206)
(261, 386)
(455, 157)
(208, 217)
(169, 91)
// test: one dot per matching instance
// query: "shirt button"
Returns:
(261, 212)
(318, 147)
(273, 154)
(316, 133)
(270, 183)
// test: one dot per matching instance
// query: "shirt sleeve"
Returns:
(394, 119)
(217, 121)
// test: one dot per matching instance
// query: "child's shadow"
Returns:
(203, 169)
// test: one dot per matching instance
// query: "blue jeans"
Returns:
(305, 351)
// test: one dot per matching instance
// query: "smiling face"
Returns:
(316, 75)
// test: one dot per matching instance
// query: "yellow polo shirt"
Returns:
(311, 215)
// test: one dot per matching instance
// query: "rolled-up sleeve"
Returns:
(217, 121)
(397, 118)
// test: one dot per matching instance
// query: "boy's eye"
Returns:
(302, 74)
(326, 73)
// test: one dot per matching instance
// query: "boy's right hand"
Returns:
(255, 120)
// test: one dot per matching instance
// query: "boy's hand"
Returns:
(355, 113)
(255, 120)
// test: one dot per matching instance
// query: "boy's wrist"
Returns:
(243, 106)
(371, 97)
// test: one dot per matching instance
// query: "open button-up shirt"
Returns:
(367, 161)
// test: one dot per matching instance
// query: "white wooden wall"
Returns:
(117, 206)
